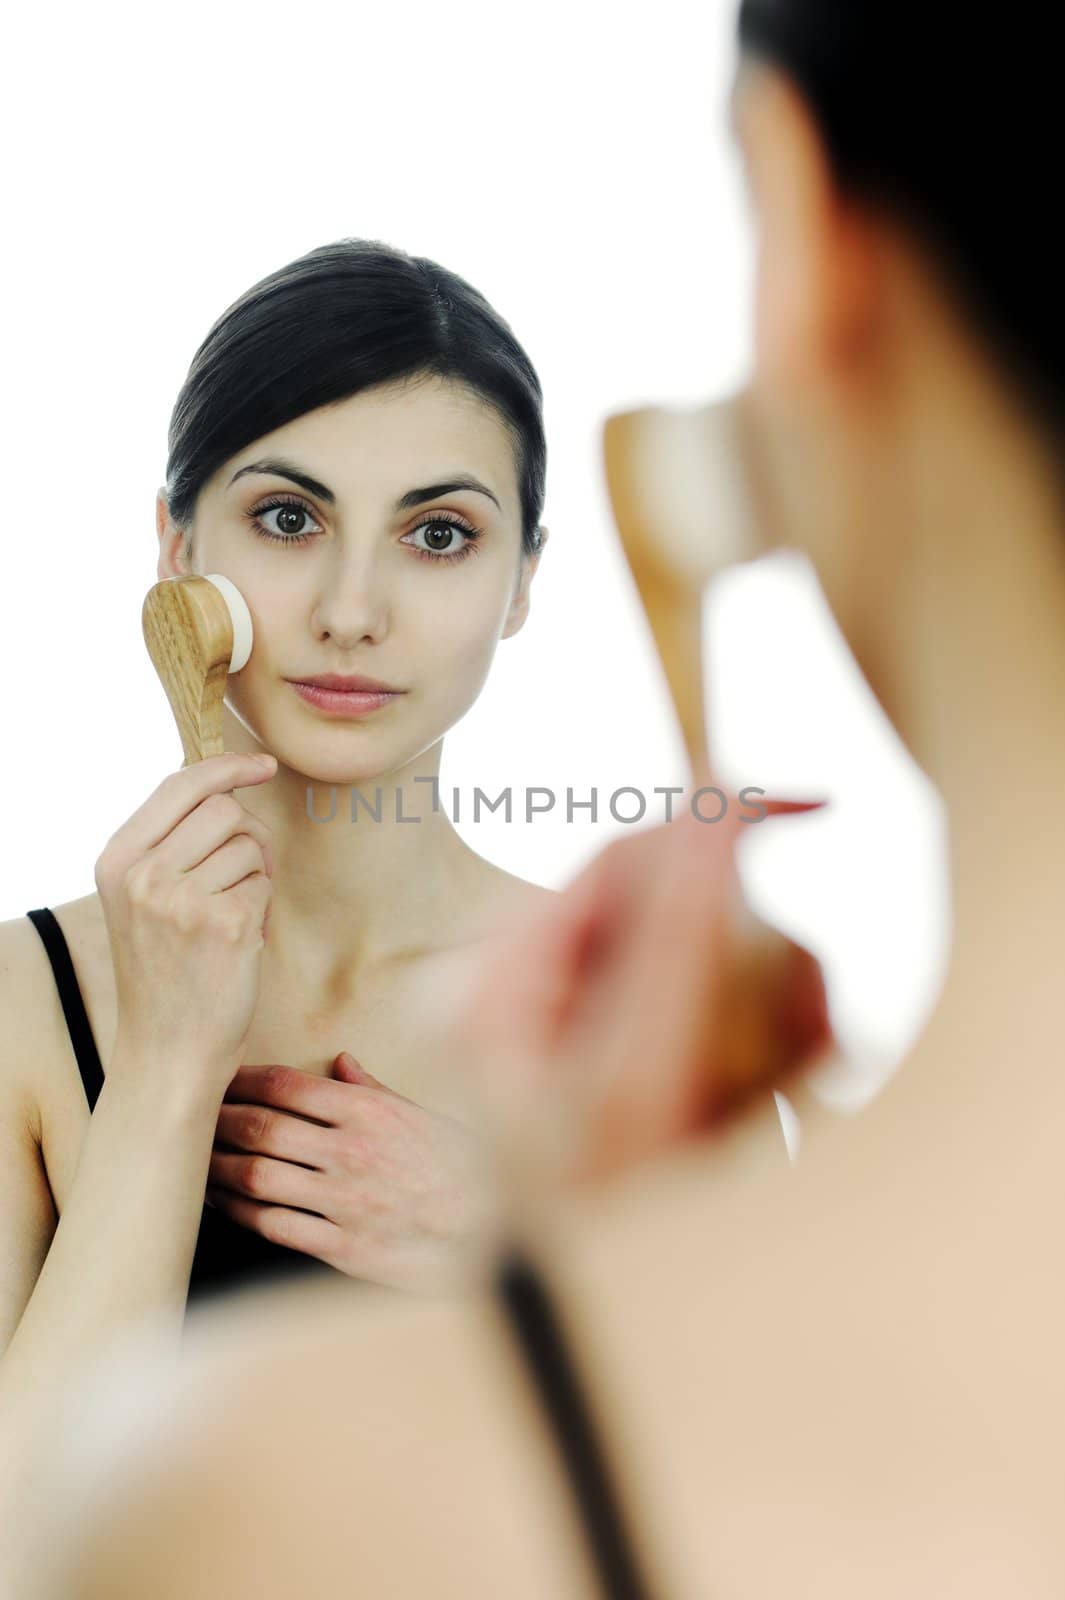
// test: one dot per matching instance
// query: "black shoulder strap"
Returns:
(92, 1075)
(525, 1296)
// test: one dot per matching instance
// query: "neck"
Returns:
(970, 659)
(364, 873)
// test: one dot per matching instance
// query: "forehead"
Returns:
(394, 436)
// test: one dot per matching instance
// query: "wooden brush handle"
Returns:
(774, 1023)
(672, 595)
(189, 634)
(676, 530)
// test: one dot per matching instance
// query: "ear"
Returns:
(171, 563)
(519, 606)
(816, 299)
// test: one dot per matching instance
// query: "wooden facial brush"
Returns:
(198, 630)
(687, 500)
(681, 490)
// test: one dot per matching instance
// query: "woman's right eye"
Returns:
(292, 515)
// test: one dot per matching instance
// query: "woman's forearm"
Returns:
(123, 1247)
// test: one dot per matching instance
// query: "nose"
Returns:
(352, 604)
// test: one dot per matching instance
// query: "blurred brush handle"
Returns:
(774, 1020)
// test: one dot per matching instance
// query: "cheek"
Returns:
(456, 657)
(268, 602)
(459, 630)
(242, 687)
(452, 661)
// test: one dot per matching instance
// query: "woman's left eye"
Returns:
(444, 527)
(440, 530)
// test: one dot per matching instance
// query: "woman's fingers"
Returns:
(745, 1003)
(581, 1025)
(648, 1032)
(643, 1000)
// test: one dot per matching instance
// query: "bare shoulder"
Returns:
(27, 1019)
(32, 1025)
(400, 1410)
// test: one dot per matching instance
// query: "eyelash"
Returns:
(451, 518)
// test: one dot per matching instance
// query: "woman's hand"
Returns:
(375, 1185)
(185, 886)
(638, 1008)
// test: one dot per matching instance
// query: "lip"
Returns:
(348, 684)
(344, 702)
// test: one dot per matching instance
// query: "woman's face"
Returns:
(340, 576)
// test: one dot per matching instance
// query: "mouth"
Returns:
(357, 702)
(350, 683)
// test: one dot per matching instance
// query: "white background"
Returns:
(572, 162)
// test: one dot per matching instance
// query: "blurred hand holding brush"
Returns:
(646, 1004)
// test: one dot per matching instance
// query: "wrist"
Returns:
(176, 1093)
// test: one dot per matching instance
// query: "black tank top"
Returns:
(228, 1255)
(523, 1290)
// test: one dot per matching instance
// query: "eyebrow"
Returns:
(413, 497)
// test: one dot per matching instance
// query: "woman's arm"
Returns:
(123, 1248)
(27, 1212)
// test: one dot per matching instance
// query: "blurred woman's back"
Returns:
(874, 1338)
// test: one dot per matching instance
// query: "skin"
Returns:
(357, 598)
(855, 1362)
(307, 1161)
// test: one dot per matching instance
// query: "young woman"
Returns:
(359, 446)
(844, 1377)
